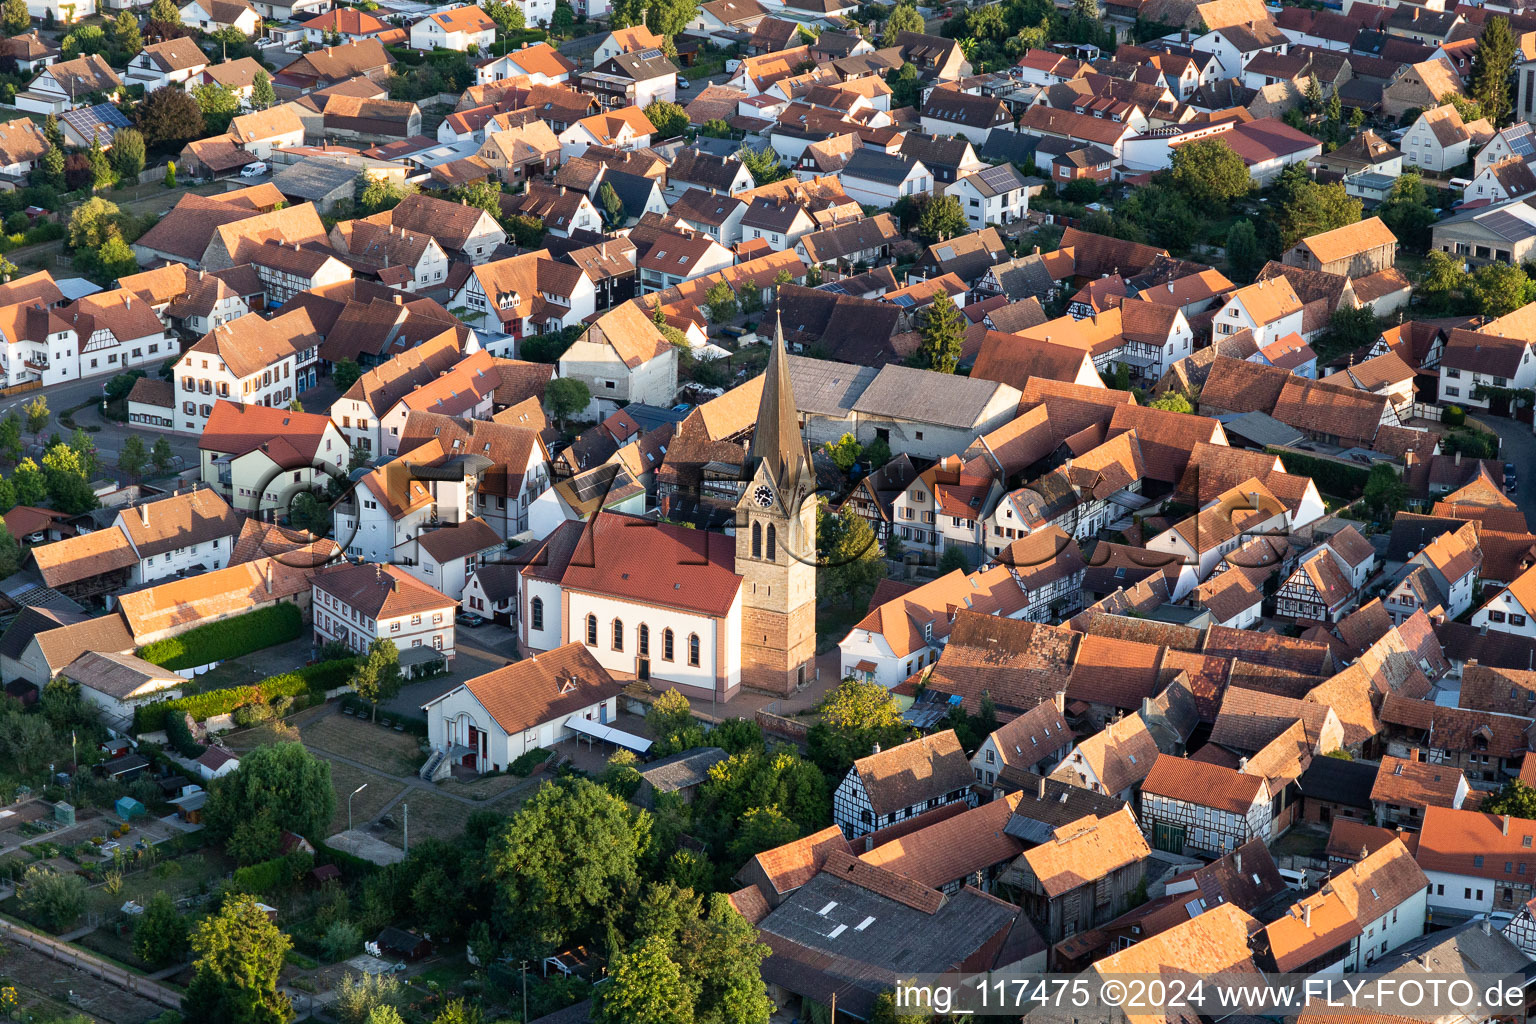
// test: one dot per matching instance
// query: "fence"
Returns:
(1421, 411)
(80, 961)
(784, 728)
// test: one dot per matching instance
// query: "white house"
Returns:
(1489, 357)
(1036, 741)
(38, 345)
(876, 178)
(1193, 805)
(68, 84)
(182, 534)
(213, 15)
(171, 62)
(1511, 610)
(119, 683)
(1477, 863)
(457, 28)
(119, 331)
(539, 12)
(622, 358)
(526, 294)
(249, 361)
(1270, 309)
(996, 195)
(488, 722)
(1438, 141)
(216, 762)
(355, 604)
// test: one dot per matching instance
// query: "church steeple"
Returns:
(776, 442)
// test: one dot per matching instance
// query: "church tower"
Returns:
(776, 541)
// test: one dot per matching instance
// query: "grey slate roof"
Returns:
(873, 165)
(1345, 782)
(680, 771)
(824, 387)
(1262, 429)
(921, 396)
(313, 179)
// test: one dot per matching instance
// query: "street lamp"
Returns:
(350, 795)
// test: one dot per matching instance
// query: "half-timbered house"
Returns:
(900, 783)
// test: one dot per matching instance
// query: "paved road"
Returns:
(110, 437)
(1517, 445)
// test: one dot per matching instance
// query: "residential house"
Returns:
(1439, 141)
(249, 361)
(635, 79)
(464, 232)
(172, 62)
(1476, 863)
(880, 179)
(521, 152)
(1474, 360)
(1440, 578)
(456, 28)
(525, 294)
(1511, 610)
(213, 15)
(1035, 741)
(949, 111)
(1189, 804)
(183, 533)
(997, 195)
(67, 85)
(1405, 787)
(623, 358)
(1114, 761)
(1083, 876)
(503, 492)
(1421, 86)
(1269, 309)
(356, 604)
(258, 459)
(893, 785)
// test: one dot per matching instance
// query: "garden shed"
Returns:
(128, 808)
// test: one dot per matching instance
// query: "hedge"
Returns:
(1330, 477)
(310, 681)
(526, 763)
(230, 638)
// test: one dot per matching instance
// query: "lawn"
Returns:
(435, 815)
(365, 805)
(488, 787)
(393, 753)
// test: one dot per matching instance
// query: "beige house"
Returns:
(522, 152)
(174, 607)
(623, 358)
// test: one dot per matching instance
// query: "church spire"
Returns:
(776, 440)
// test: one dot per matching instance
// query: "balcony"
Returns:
(38, 363)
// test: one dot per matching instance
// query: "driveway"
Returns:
(476, 652)
(1518, 445)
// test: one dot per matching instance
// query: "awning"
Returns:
(607, 733)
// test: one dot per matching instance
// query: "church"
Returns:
(706, 612)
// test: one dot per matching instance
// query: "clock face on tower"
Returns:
(763, 496)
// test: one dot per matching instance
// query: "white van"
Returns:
(254, 170)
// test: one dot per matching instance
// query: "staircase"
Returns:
(437, 767)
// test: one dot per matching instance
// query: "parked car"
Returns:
(1509, 472)
(470, 619)
(682, 83)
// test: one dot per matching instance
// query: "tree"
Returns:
(359, 997)
(282, 783)
(53, 167)
(341, 940)
(562, 863)
(1517, 799)
(1173, 401)
(10, 438)
(1243, 258)
(856, 565)
(721, 301)
(670, 720)
(160, 455)
(1442, 279)
(644, 986)
(239, 956)
(565, 397)
(37, 414)
(30, 484)
(53, 900)
(457, 1011)
(669, 119)
(310, 513)
(855, 717)
(10, 551)
(377, 676)
(89, 223)
(116, 259)
(1496, 289)
(904, 18)
(14, 17)
(170, 174)
(165, 11)
(483, 195)
(262, 93)
(1307, 208)
(160, 933)
(943, 333)
(508, 17)
(669, 18)
(761, 828)
(763, 165)
(169, 118)
(563, 20)
(133, 456)
(525, 231)
(613, 206)
(1407, 211)
(377, 194)
(1385, 492)
(1492, 69)
(126, 35)
(128, 152)
(844, 451)
(1209, 173)
(942, 218)
(1348, 331)
(344, 374)
(63, 706)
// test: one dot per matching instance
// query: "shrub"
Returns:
(264, 878)
(524, 765)
(219, 641)
(1453, 416)
(341, 940)
(181, 738)
(311, 681)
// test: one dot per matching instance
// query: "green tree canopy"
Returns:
(942, 218)
(1493, 65)
(483, 195)
(169, 118)
(14, 17)
(160, 933)
(904, 18)
(1497, 289)
(89, 224)
(376, 677)
(645, 986)
(565, 861)
(669, 119)
(1517, 799)
(855, 717)
(344, 374)
(54, 900)
(128, 152)
(1243, 256)
(218, 104)
(239, 956)
(1307, 208)
(670, 720)
(262, 93)
(1385, 492)
(1209, 173)
(763, 165)
(943, 334)
(721, 301)
(566, 396)
(282, 783)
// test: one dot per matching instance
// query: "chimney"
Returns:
(399, 299)
(1458, 458)
(269, 577)
(1184, 37)
(1306, 914)
(1487, 924)
(1506, 825)
(1040, 791)
(144, 514)
(1413, 755)
(1242, 763)
(876, 750)
(1146, 707)
(1061, 701)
